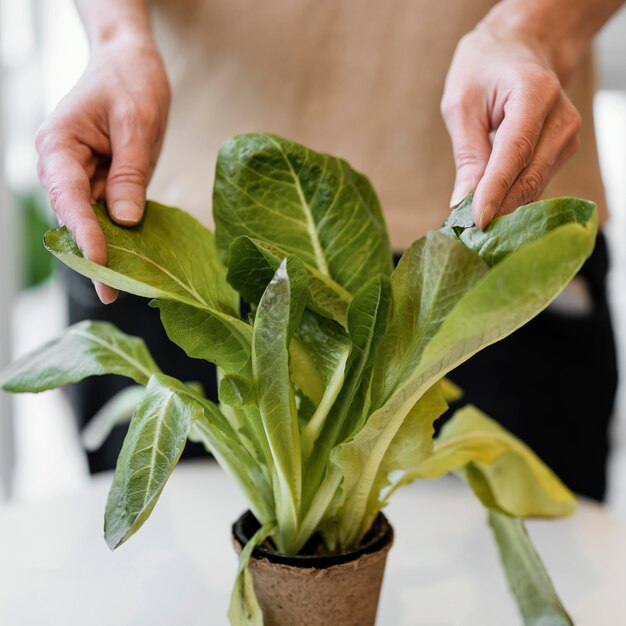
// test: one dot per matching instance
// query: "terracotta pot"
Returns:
(311, 590)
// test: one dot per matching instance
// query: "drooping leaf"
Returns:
(190, 287)
(252, 263)
(497, 460)
(536, 598)
(147, 260)
(84, 349)
(244, 609)
(305, 203)
(155, 440)
(276, 401)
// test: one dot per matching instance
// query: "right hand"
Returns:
(103, 141)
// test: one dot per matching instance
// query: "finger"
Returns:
(131, 168)
(468, 127)
(69, 192)
(98, 181)
(513, 148)
(531, 182)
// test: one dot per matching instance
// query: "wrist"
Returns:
(559, 33)
(110, 22)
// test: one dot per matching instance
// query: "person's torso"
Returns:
(360, 79)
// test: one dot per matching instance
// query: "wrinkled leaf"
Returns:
(305, 203)
(501, 460)
(155, 440)
(84, 349)
(252, 263)
(536, 598)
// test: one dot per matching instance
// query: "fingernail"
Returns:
(461, 191)
(485, 215)
(101, 290)
(125, 212)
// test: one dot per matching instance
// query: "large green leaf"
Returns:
(496, 461)
(85, 349)
(499, 302)
(155, 440)
(506, 234)
(528, 579)
(190, 287)
(270, 364)
(306, 203)
(149, 259)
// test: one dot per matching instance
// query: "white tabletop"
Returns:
(443, 570)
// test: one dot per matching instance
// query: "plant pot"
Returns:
(313, 590)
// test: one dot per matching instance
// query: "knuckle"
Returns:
(465, 156)
(522, 149)
(452, 106)
(548, 85)
(127, 173)
(531, 185)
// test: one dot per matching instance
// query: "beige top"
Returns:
(361, 79)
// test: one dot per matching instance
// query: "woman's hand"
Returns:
(103, 141)
(503, 86)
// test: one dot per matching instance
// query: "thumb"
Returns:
(470, 146)
(128, 177)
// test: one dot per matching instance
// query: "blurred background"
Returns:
(42, 53)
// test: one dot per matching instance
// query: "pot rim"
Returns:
(378, 537)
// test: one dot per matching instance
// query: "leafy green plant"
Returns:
(330, 387)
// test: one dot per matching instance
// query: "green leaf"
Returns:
(367, 319)
(146, 260)
(508, 233)
(429, 281)
(497, 460)
(85, 349)
(252, 263)
(318, 352)
(244, 609)
(303, 202)
(191, 290)
(483, 308)
(155, 440)
(210, 335)
(276, 401)
(536, 598)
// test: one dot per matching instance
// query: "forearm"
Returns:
(109, 20)
(559, 30)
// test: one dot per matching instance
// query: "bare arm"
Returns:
(507, 77)
(104, 138)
